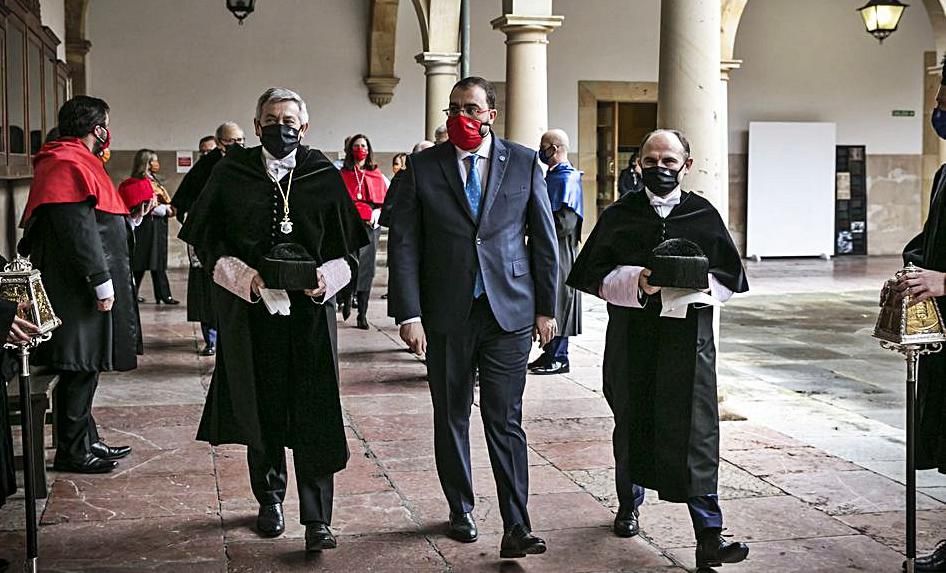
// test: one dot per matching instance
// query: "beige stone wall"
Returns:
(894, 191)
(894, 194)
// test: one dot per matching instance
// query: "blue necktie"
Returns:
(474, 193)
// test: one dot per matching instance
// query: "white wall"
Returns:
(53, 14)
(174, 70)
(811, 60)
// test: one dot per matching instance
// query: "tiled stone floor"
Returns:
(811, 475)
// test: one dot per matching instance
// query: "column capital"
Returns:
(381, 89)
(728, 66)
(514, 23)
(439, 63)
(936, 70)
(80, 47)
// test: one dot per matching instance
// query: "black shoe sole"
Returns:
(626, 534)
(539, 372)
(738, 558)
(269, 534)
(320, 546)
(75, 470)
(114, 458)
(462, 538)
(518, 554)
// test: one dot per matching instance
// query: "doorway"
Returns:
(621, 127)
(608, 133)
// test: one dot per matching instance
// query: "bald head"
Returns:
(228, 134)
(664, 149)
(553, 147)
(422, 145)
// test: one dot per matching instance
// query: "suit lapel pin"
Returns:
(502, 158)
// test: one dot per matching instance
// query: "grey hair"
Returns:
(276, 95)
(224, 127)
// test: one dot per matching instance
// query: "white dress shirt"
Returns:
(482, 164)
(278, 168)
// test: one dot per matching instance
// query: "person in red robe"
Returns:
(76, 234)
(367, 187)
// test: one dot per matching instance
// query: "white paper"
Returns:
(674, 301)
(276, 301)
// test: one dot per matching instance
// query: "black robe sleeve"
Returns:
(193, 183)
(566, 222)
(385, 218)
(594, 262)
(200, 229)
(914, 251)
(76, 231)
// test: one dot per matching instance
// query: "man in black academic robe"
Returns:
(77, 234)
(566, 196)
(275, 384)
(928, 252)
(199, 284)
(660, 372)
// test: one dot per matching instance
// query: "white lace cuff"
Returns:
(621, 286)
(337, 275)
(236, 276)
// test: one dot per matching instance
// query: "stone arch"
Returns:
(439, 24)
(77, 45)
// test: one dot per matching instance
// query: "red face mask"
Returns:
(464, 132)
(359, 153)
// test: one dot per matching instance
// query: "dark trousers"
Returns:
(75, 426)
(705, 512)
(501, 358)
(268, 478)
(362, 297)
(556, 349)
(159, 280)
(209, 333)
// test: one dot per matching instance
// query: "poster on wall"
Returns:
(843, 186)
(185, 159)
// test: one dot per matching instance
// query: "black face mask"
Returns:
(232, 146)
(278, 139)
(660, 180)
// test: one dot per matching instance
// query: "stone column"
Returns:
(688, 90)
(527, 24)
(726, 67)
(76, 53)
(441, 71)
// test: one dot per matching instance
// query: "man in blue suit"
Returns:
(471, 292)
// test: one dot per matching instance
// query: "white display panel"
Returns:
(790, 209)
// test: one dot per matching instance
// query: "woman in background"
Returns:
(151, 236)
(367, 187)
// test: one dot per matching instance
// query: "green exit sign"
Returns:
(903, 113)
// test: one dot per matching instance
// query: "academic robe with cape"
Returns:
(77, 235)
(928, 251)
(368, 196)
(199, 283)
(276, 377)
(662, 369)
(565, 195)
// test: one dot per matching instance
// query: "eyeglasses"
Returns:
(470, 110)
(232, 140)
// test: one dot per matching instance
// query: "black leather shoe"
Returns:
(168, 300)
(463, 527)
(208, 350)
(540, 362)
(344, 306)
(363, 322)
(712, 550)
(141, 299)
(555, 367)
(935, 561)
(319, 537)
(626, 523)
(89, 465)
(519, 542)
(270, 521)
(107, 452)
